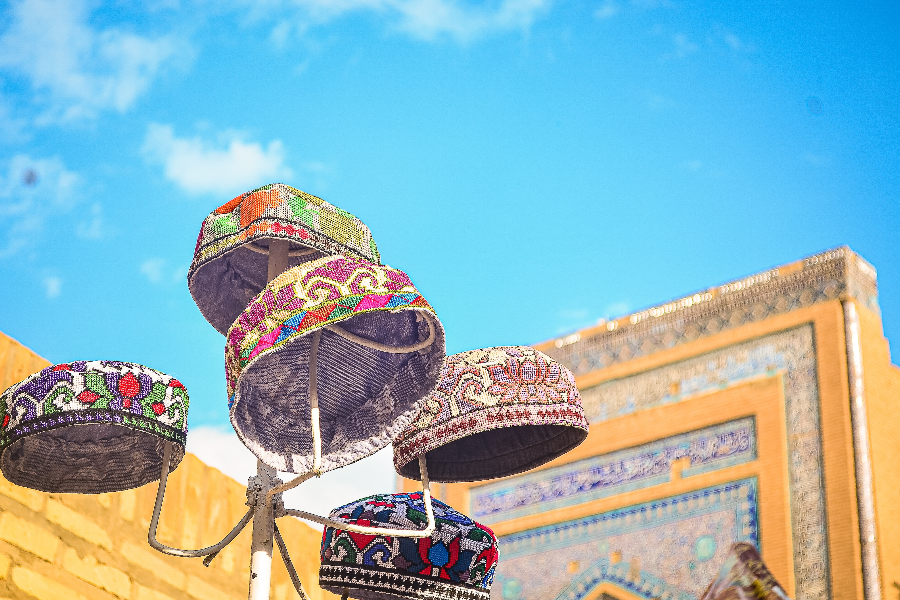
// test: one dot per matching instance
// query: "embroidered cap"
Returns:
(92, 426)
(494, 412)
(230, 260)
(374, 347)
(457, 562)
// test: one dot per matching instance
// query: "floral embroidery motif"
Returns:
(493, 388)
(95, 391)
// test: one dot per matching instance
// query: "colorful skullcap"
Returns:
(366, 396)
(456, 563)
(91, 426)
(494, 412)
(230, 260)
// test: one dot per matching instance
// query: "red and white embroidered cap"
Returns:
(230, 260)
(494, 412)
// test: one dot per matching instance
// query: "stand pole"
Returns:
(264, 517)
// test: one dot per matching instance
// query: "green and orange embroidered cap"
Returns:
(357, 336)
(230, 259)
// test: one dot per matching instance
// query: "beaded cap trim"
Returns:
(523, 406)
(124, 402)
(366, 396)
(274, 211)
(458, 560)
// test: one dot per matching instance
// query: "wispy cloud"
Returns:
(77, 70)
(223, 450)
(722, 36)
(158, 271)
(52, 286)
(31, 192)
(607, 10)
(682, 47)
(92, 225)
(423, 19)
(816, 159)
(227, 165)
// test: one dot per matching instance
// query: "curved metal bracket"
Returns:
(154, 521)
(292, 572)
(389, 531)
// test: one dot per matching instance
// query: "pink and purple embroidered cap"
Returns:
(352, 338)
(494, 412)
(93, 426)
(457, 562)
(230, 259)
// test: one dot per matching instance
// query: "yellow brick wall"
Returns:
(94, 547)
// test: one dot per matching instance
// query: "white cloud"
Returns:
(223, 450)
(816, 159)
(76, 70)
(32, 192)
(607, 10)
(683, 46)
(229, 165)
(428, 19)
(158, 272)
(153, 269)
(53, 286)
(92, 227)
(423, 19)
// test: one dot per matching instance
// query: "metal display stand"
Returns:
(264, 490)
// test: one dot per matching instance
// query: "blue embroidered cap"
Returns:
(456, 563)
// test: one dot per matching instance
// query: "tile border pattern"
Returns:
(789, 353)
(740, 496)
(711, 448)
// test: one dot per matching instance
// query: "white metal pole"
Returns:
(264, 518)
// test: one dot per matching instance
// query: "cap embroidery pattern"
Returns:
(456, 562)
(230, 259)
(489, 390)
(109, 395)
(281, 211)
(313, 295)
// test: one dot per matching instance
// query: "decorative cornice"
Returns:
(836, 274)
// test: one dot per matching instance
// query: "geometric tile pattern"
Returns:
(707, 449)
(669, 548)
(790, 353)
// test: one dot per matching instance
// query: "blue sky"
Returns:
(534, 165)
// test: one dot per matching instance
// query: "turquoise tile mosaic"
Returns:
(707, 449)
(789, 354)
(669, 548)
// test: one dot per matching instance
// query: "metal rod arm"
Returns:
(154, 521)
(292, 572)
(385, 347)
(389, 531)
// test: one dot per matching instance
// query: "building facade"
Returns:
(761, 410)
